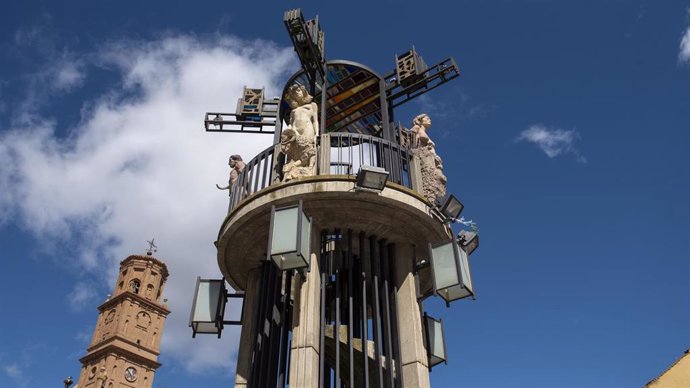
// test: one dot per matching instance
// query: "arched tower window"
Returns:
(134, 285)
(149, 291)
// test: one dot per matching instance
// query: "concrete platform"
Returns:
(400, 214)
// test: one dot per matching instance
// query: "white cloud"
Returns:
(684, 54)
(68, 74)
(139, 165)
(14, 372)
(82, 295)
(553, 141)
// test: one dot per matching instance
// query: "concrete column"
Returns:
(304, 350)
(325, 155)
(416, 174)
(412, 352)
(244, 355)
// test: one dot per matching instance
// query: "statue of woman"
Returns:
(420, 124)
(433, 179)
(298, 140)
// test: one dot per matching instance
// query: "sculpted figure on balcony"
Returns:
(420, 125)
(236, 167)
(298, 140)
(433, 180)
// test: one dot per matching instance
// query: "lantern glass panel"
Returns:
(454, 293)
(284, 234)
(290, 238)
(305, 237)
(445, 266)
(206, 304)
(436, 344)
(465, 270)
(205, 327)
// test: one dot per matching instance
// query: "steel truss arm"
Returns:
(308, 40)
(433, 77)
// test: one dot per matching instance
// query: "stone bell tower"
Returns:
(126, 342)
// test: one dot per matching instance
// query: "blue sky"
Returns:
(566, 137)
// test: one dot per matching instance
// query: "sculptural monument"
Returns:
(433, 180)
(298, 140)
(236, 167)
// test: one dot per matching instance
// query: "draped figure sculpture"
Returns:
(433, 180)
(298, 140)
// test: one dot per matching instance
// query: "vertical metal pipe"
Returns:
(336, 325)
(322, 311)
(256, 350)
(394, 314)
(387, 315)
(285, 331)
(376, 316)
(349, 149)
(350, 321)
(383, 101)
(324, 99)
(264, 176)
(273, 332)
(265, 337)
(365, 323)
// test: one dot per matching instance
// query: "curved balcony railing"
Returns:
(343, 154)
(350, 151)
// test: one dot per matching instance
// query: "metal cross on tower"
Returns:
(152, 247)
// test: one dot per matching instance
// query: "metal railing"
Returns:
(350, 151)
(258, 174)
(346, 153)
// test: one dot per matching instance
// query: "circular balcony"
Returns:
(399, 213)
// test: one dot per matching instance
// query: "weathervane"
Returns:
(152, 247)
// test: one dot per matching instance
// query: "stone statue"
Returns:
(420, 124)
(236, 167)
(433, 180)
(298, 140)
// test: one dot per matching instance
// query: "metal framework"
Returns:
(398, 93)
(357, 99)
(308, 40)
(358, 302)
(263, 120)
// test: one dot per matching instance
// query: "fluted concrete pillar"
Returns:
(304, 349)
(248, 335)
(415, 371)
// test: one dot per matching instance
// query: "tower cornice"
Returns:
(110, 342)
(134, 258)
(130, 295)
(111, 348)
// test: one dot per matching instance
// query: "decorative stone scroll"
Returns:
(236, 167)
(424, 149)
(298, 140)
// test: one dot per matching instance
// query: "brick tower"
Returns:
(125, 345)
